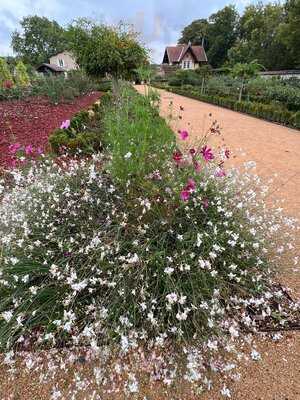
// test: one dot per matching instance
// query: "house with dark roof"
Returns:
(185, 56)
(51, 69)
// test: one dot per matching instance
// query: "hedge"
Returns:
(268, 112)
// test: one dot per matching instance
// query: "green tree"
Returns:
(290, 31)
(261, 38)
(102, 50)
(39, 40)
(197, 33)
(245, 71)
(5, 74)
(204, 71)
(223, 31)
(21, 78)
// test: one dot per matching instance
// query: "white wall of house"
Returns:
(188, 62)
(64, 60)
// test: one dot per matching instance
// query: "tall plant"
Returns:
(22, 78)
(5, 74)
(245, 71)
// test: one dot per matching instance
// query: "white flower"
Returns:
(128, 155)
(169, 270)
(172, 298)
(7, 315)
(255, 355)
(226, 392)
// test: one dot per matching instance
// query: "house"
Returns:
(51, 69)
(185, 56)
(64, 60)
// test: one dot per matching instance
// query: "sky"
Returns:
(159, 21)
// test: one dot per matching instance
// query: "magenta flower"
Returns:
(39, 151)
(65, 124)
(29, 150)
(177, 157)
(14, 148)
(207, 153)
(191, 185)
(192, 152)
(183, 135)
(185, 195)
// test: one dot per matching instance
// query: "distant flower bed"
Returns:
(151, 247)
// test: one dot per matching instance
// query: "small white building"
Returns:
(64, 60)
(185, 56)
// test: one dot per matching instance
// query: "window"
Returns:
(60, 62)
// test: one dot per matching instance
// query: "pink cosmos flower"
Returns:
(207, 153)
(65, 124)
(205, 203)
(177, 157)
(14, 148)
(183, 135)
(185, 195)
(29, 150)
(39, 151)
(191, 185)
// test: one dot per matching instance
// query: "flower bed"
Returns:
(151, 250)
(30, 121)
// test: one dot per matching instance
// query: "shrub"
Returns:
(21, 77)
(5, 74)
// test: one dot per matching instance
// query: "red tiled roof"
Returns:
(176, 53)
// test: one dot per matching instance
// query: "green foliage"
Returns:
(39, 40)
(131, 127)
(266, 32)
(5, 74)
(101, 49)
(21, 77)
(83, 136)
(185, 77)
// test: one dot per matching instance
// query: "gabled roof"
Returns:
(53, 67)
(176, 53)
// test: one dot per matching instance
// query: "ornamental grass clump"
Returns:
(164, 253)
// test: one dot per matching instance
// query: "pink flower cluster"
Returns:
(29, 150)
(189, 188)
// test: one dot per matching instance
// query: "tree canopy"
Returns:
(268, 33)
(102, 49)
(39, 39)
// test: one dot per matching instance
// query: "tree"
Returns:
(290, 31)
(223, 31)
(102, 49)
(39, 40)
(5, 75)
(21, 78)
(245, 71)
(196, 33)
(260, 37)
(204, 71)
